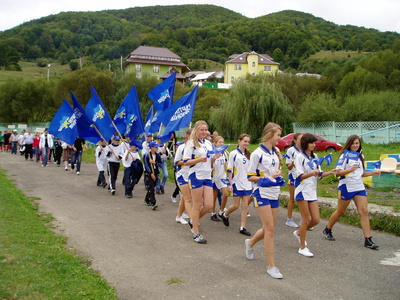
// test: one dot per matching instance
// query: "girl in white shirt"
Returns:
(197, 157)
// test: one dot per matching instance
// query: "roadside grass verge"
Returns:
(34, 262)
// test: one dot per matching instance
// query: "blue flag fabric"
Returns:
(155, 123)
(63, 125)
(99, 116)
(378, 164)
(219, 149)
(316, 161)
(85, 128)
(286, 156)
(149, 118)
(134, 124)
(351, 155)
(328, 160)
(163, 93)
(340, 161)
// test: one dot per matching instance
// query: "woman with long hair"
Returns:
(264, 171)
(351, 186)
(290, 157)
(197, 156)
(238, 164)
(307, 173)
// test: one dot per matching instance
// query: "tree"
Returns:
(319, 107)
(73, 65)
(9, 55)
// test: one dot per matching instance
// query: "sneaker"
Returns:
(220, 214)
(66, 169)
(370, 244)
(104, 184)
(291, 223)
(198, 238)
(311, 229)
(244, 231)
(215, 218)
(248, 215)
(158, 192)
(306, 252)
(128, 196)
(113, 192)
(274, 272)
(225, 220)
(173, 199)
(154, 207)
(78, 173)
(249, 250)
(298, 237)
(147, 203)
(181, 220)
(185, 215)
(328, 234)
(162, 191)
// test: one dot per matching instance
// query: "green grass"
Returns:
(324, 55)
(31, 71)
(34, 262)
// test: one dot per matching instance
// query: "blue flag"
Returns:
(85, 128)
(163, 93)
(328, 160)
(317, 161)
(149, 118)
(340, 161)
(63, 125)
(219, 149)
(351, 155)
(98, 114)
(378, 164)
(120, 118)
(134, 120)
(286, 156)
(180, 114)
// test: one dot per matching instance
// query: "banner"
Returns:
(63, 125)
(163, 93)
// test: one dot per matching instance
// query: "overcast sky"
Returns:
(383, 15)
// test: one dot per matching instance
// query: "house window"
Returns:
(267, 68)
(138, 68)
(238, 67)
(232, 79)
(253, 64)
(156, 69)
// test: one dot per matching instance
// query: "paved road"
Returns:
(139, 250)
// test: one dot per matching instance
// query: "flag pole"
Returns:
(102, 137)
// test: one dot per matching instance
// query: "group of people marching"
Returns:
(203, 175)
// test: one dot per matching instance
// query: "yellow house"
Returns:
(155, 61)
(252, 63)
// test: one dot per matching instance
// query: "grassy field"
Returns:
(332, 55)
(34, 262)
(31, 71)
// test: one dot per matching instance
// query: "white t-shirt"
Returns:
(308, 186)
(238, 164)
(181, 170)
(201, 170)
(264, 163)
(127, 162)
(352, 180)
(292, 153)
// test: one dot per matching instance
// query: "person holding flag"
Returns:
(307, 172)
(238, 164)
(350, 172)
(114, 154)
(290, 156)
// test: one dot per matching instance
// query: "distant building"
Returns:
(252, 63)
(155, 61)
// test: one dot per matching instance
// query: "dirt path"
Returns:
(139, 250)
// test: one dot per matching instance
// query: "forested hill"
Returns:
(191, 31)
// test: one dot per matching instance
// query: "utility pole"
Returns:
(48, 72)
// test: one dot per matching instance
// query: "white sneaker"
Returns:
(173, 199)
(248, 215)
(306, 252)
(291, 223)
(298, 237)
(77, 173)
(249, 250)
(185, 215)
(274, 272)
(181, 220)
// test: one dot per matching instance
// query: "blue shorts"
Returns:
(181, 181)
(343, 194)
(198, 183)
(240, 193)
(291, 180)
(259, 201)
(299, 197)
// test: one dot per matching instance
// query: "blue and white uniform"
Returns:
(219, 178)
(238, 164)
(351, 184)
(200, 173)
(264, 163)
(292, 153)
(306, 189)
(182, 172)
